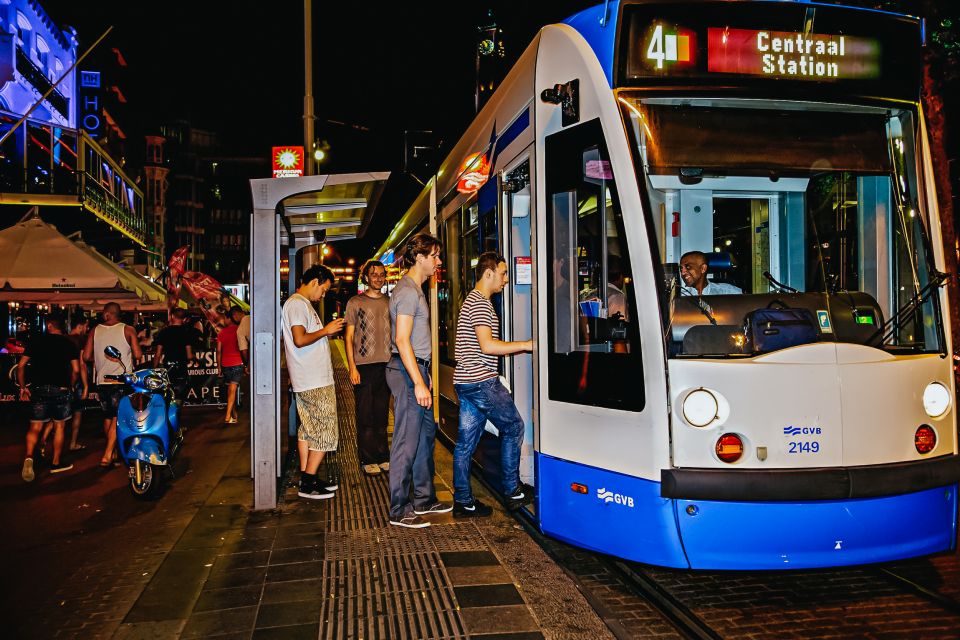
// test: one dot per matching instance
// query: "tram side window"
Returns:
(450, 292)
(594, 355)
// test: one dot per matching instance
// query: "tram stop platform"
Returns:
(336, 569)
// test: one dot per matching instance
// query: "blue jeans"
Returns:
(411, 453)
(479, 402)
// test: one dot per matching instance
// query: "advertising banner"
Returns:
(204, 387)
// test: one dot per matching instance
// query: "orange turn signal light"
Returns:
(579, 488)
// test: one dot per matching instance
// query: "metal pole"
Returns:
(308, 116)
(265, 329)
(55, 85)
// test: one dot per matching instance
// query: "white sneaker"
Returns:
(371, 469)
(384, 466)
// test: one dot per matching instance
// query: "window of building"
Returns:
(43, 53)
(24, 30)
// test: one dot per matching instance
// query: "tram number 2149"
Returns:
(803, 447)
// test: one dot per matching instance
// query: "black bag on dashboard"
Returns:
(773, 328)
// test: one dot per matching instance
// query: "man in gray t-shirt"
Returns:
(407, 299)
(408, 374)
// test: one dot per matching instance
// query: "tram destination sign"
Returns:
(797, 56)
(750, 44)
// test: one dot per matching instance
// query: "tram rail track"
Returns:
(683, 618)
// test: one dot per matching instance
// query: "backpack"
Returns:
(774, 328)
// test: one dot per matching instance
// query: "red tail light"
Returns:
(729, 447)
(925, 439)
(576, 487)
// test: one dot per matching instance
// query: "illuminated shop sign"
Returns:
(287, 162)
(90, 119)
(797, 56)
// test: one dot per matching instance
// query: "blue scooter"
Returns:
(148, 427)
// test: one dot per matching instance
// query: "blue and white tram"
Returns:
(808, 420)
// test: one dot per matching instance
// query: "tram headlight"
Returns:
(700, 408)
(936, 399)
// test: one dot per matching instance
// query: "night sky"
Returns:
(237, 68)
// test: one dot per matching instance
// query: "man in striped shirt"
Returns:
(481, 394)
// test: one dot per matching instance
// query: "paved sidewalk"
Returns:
(211, 567)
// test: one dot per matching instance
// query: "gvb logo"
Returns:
(617, 498)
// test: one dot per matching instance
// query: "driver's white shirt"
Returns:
(712, 289)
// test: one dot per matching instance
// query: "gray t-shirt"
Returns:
(407, 299)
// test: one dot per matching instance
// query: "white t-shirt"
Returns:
(309, 367)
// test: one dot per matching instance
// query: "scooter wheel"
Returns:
(147, 487)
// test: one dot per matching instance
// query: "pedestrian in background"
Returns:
(408, 374)
(307, 350)
(111, 333)
(175, 345)
(243, 340)
(368, 351)
(230, 361)
(481, 394)
(78, 336)
(54, 368)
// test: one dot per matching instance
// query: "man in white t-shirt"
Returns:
(311, 376)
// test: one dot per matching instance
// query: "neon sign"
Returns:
(287, 162)
(796, 56)
(474, 172)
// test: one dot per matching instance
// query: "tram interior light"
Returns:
(936, 399)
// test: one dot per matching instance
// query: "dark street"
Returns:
(59, 529)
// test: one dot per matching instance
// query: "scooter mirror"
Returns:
(112, 352)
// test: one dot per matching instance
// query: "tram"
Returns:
(805, 416)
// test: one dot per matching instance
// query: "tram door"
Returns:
(518, 299)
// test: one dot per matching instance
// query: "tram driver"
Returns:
(693, 272)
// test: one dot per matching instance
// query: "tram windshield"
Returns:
(783, 224)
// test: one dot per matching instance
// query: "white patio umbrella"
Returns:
(38, 264)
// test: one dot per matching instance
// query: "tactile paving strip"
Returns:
(389, 596)
(457, 537)
(376, 542)
(379, 581)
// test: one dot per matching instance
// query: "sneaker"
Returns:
(384, 466)
(314, 493)
(475, 509)
(371, 469)
(329, 485)
(60, 468)
(433, 507)
(27, 473)
(410, 521)
(523, 495)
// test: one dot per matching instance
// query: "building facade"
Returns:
(47, 159)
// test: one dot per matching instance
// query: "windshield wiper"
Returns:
(779, 285)
(887, 329)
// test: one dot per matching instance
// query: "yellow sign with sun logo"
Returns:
(287, 162)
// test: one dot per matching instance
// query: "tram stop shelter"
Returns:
(290, 214)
